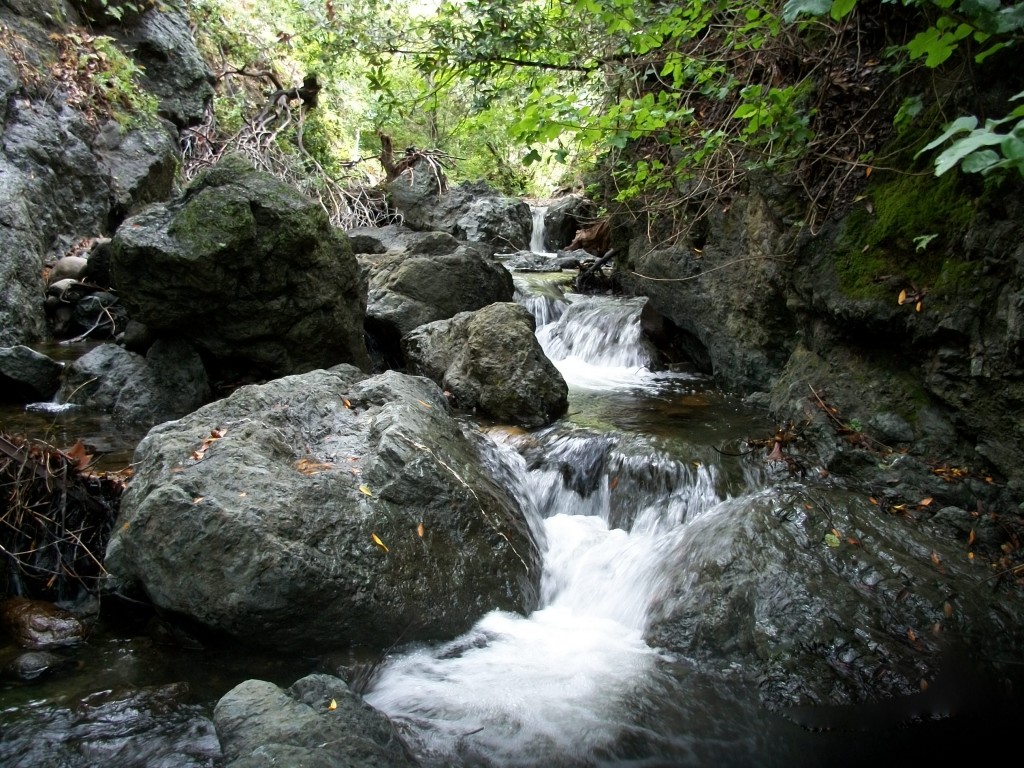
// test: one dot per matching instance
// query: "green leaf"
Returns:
(794, 8)
(961, 124)
(961, 148)
(979, 162)
(841, 8)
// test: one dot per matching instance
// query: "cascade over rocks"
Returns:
(471, 211)
(491, 363)
(328, 509)
(248, 270)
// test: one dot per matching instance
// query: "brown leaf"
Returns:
(970, 538)
(420, 530)
(77, 453)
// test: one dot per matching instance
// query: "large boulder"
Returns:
(472, 211)
(316, 723)
(249, 270)
(491, 362)
(27, 375)
(167, 383)
(825, 598)
(141, 164)
(52, 193)
(564, 217)
(428, 276)
(323, 510)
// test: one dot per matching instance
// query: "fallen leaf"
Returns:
(347, 404)
(925, 502)
(424, 404)
(831, 540)
(948, 610)
(420, 530)
(903, 297)
(613, 483)
(198, 499)
(936, 559)
(365, 490)
(78, 455)
(873, 500)
(333, 705)
(911, 635)
(309, 467)
(379, 543)
(970, 538)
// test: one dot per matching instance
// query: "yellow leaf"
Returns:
(424, 404)
(917, 307)
(419, 530)
(198, 499)
(925, 502)
(970, 538)
(333, 705)
(903, 296)
(378, 542)
(346, 403)
(365, 490)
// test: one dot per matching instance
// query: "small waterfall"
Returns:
(560, 686)
(552, 688)
(537, 235)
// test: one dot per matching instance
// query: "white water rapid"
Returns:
(561, 686)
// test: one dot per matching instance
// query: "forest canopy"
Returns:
(657, 103)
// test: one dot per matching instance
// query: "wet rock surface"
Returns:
(333, 510)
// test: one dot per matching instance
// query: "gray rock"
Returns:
(27, 375)
(173, 68)
(504, 222)
(472, 212)
(491, 363)
(67, 268)
(249, 271)
(564, 217)
(333, 510)
(261, 725)
(764, 584)
(434, 278)
(39, 625)
(169, 382)
(140, 162)
(52, 193)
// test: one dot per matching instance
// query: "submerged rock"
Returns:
(323, 510)
(38, 624)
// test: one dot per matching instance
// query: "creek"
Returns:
(640, 472)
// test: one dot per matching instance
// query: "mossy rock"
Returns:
(909, 230)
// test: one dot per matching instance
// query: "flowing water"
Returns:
(612, 491)
(575, 683)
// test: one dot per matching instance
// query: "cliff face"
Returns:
(904, 315)
(73, 162)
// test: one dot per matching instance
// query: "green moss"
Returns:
(881, 240)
